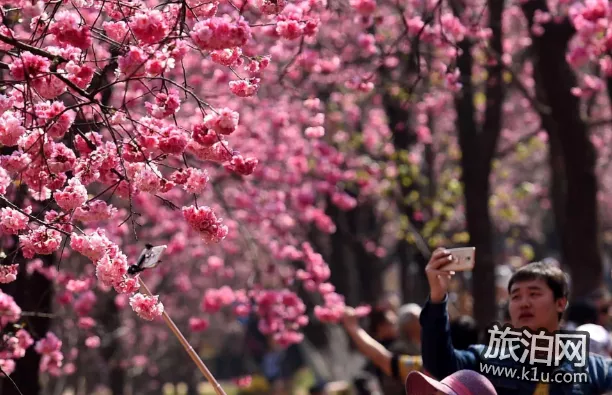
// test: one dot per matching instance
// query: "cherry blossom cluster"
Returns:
(50, 349)
(15, 341)
(101, 109)
(592, 43)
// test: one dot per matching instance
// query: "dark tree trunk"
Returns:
(355, 272)
(369, 266)
(111, 351)
(580, 236)
(412, 260)
(33, 294)
(558, 186)
(477, 151)
(344, 274)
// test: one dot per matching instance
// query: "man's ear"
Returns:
(561, 304)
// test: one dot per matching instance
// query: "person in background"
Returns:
(602, 300)
(463, 382)
(599, 339)
(383, 325)
(409, 332)
(384, 329)
(394, 365)
(581, 312)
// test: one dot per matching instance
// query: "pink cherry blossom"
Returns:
(204, 221)
(73, 196)
(147, 307)
(198, 324)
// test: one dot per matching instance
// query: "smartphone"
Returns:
(463, 259)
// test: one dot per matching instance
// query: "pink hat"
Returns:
(462, 382)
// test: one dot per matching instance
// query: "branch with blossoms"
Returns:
(85, 160)
(163, 136)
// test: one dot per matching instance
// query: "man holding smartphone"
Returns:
(538, 297)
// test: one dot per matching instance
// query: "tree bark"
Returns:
(369, 267)
(403, 139)
(33, 293)
(111, 351)
(558, 187)
(344, 274)
(475, 178)
(580, 236)
(478, 148)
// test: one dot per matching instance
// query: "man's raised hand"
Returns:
(438, 279)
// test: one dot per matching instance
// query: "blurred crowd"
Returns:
(396, 327)
(390, 337)
(393, 331)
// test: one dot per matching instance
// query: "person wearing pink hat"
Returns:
(462, 382)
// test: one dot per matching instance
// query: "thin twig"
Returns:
(11, 380)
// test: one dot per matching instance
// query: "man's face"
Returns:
(532, 304)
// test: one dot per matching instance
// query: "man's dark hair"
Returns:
(553, 276)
